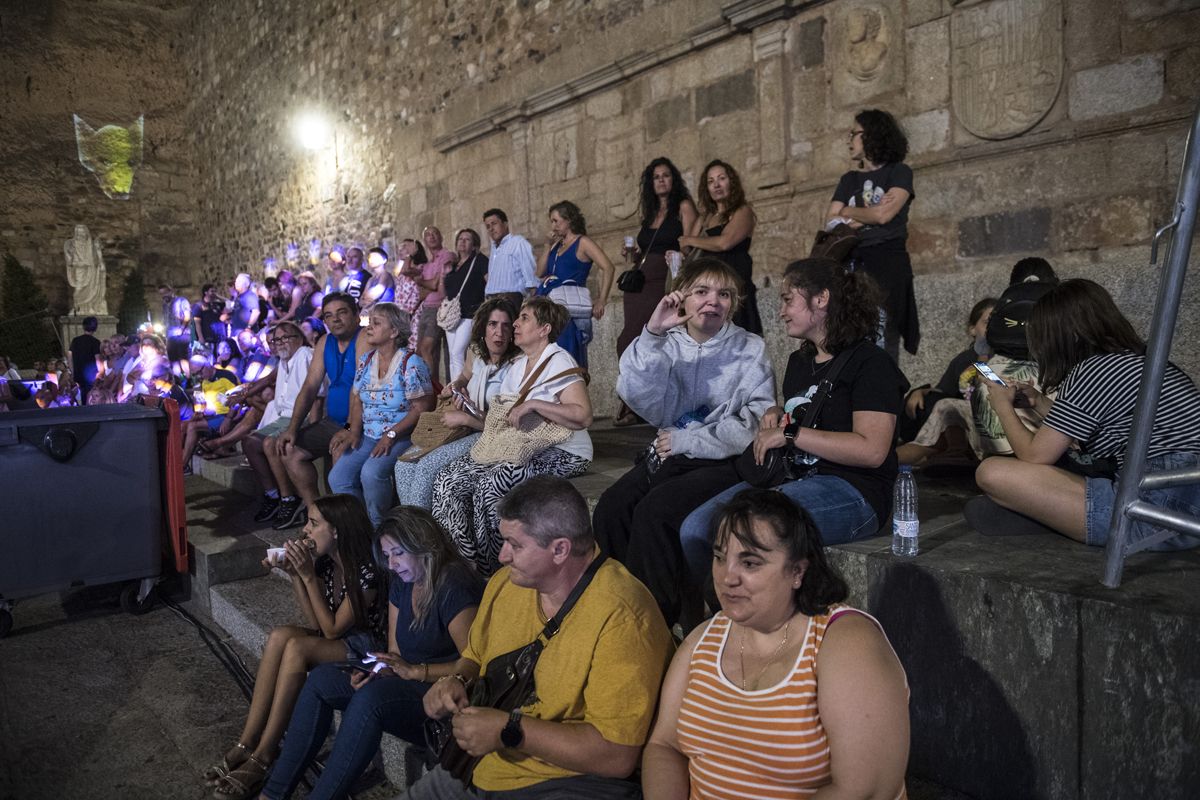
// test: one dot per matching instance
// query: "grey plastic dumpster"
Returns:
(81, 494)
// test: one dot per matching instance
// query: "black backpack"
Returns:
(1006, 326)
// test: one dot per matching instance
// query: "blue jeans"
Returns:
(841, 514)
(1101, 495)
(368, 479)
(393, 705)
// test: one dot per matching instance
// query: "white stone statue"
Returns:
(85, 273)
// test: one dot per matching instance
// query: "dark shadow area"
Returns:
(965, 736)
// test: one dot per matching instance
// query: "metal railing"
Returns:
(1129, 508)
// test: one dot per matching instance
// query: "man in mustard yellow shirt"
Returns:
(597, 681)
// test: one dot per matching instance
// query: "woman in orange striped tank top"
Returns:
(786, 692)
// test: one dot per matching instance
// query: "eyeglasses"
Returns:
(855, 133)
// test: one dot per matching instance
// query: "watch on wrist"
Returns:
(391, 434)
(513, 735)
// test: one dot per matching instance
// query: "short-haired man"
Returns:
(84, 349)
(246, 310)
(334, 357)
(597, 681)
(511, 266)
(356, 277)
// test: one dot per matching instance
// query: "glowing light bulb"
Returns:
(312, 131)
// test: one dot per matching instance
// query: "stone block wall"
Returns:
(109, 62)
(1050, 127)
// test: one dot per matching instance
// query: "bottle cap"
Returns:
(906, 468)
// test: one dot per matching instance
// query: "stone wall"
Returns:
(1053, 127)
(109, 62)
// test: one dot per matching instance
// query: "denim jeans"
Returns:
(368, 479)
(1101, 495)
(841, 514)
(393, 705)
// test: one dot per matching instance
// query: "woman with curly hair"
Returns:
(844, 465)
(493, 352)
(724, 231)
(874, 198)
(563, 271)
(667, 212)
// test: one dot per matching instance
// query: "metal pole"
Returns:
(1158, 348)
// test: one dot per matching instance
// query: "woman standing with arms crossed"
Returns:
(874, 198)
(724, 231)
(667, 213)
(465, 281)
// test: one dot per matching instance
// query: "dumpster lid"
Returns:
(102, 413)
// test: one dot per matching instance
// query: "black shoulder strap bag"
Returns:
(783, 464)
(505, 685)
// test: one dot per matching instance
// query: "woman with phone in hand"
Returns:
(339, 590)
(844, 463)
(1088, 351)
(703, 382)
(493, 352)
(432, 602)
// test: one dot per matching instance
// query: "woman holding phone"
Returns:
(1088, 351)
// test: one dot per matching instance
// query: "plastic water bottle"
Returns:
(905, 524)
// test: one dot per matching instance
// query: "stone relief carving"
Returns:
(85, 273)
(868, 39)
(1006, 64)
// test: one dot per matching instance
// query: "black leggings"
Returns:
(637, 522)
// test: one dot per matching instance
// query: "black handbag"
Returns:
(782, 464)
(633, 280)
(507, 683)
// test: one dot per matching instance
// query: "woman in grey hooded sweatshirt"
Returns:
(703, 382)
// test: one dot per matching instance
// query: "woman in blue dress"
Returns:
(563, 270)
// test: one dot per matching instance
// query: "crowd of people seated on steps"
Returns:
(716, 532)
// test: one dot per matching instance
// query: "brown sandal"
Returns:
(244, 782)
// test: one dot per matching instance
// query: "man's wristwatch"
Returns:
(391, 434)
(512, 735)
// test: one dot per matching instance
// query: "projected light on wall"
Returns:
(111, 154)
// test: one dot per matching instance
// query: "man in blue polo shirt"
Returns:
(334, 357)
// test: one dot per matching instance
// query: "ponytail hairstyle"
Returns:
(852, 314)
(1072, 322)
(347, 516)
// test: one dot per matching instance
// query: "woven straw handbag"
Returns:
(517, 445)
(431, 432)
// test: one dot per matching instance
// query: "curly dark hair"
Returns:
(853, 311)
(573, 216)
(419, 257)
(795, 533)
(548, 312)
(883, 140)
(479, 325)
(737, 195)
(1074, 321)
(649, 201)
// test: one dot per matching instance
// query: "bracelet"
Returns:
(456, 676)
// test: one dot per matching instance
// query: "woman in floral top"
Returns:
(391, 389)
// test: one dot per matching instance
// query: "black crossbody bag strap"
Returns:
(826, 385)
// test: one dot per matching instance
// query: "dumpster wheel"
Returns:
(6, 622)
(129, 599)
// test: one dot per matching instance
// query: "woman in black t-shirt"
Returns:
(874, 198)
(847, 459)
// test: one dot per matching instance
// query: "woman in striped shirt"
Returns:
(1087, 351)
(771, 699)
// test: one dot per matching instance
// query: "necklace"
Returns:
(770, 661)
